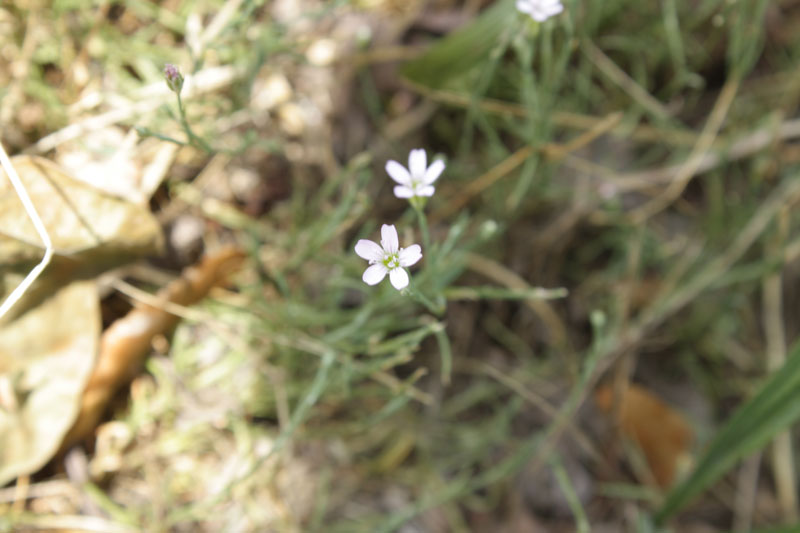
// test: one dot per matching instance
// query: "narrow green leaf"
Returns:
(774, 408)
(463, 49)
(568, 489)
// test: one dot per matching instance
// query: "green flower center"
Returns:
(391, 261)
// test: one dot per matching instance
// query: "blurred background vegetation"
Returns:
(641, 156)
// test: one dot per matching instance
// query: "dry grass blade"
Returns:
(502, 169)
(783, 465)
(689, 169)
(621, 78)
(746, 490)
(483, 182)
(742, 148)
(602, 127)
(566, 119)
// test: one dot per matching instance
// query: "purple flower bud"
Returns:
(173, 77)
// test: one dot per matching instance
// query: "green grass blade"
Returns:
(463, 49)
(774, 408)
(568, 489)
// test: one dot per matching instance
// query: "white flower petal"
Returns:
(398, 173)
(374, 274)
(399, 278)
(389, 239)
(428, 190)
(433, 172)
(371, 251)
(417, 163)
(524, 6)
(401, 191)
(540, 10)
(409, 256)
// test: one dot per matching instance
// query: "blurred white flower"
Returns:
(540, 10)
(418, 179)
(387, 257)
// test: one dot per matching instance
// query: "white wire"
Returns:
(40, 229)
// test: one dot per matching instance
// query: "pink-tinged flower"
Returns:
(387, 258)
(174, 77)
(540, 10)
(418, 178)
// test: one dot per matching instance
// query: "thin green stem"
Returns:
(568, 489)
(194, 140)
(435, 309)
(423, 226)
(147, 132)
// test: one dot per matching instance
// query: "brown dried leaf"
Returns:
(91, 231)
(662, 433)
(46, 356)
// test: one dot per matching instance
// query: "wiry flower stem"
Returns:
(435, 309)
(423, 225)
(194, 140)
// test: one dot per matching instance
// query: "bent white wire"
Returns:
(17, 293)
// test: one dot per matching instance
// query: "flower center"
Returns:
(391, 261)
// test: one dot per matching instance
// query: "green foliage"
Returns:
(772, 409)
(449, 397)
(466, 48)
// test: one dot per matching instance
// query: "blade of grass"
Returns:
(446, 352)
(461, 50)
(502, 293)
(581, 522)
(773, 409)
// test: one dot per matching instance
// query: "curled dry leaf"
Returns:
(49, 339)
(662, 433)
(91, 231)
(102, 153)
(46, 356)
(127, 341)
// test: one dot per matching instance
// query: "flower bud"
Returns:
(173, 77)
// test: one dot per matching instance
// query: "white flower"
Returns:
(418, 179)
(540, 10)
(387, 257)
